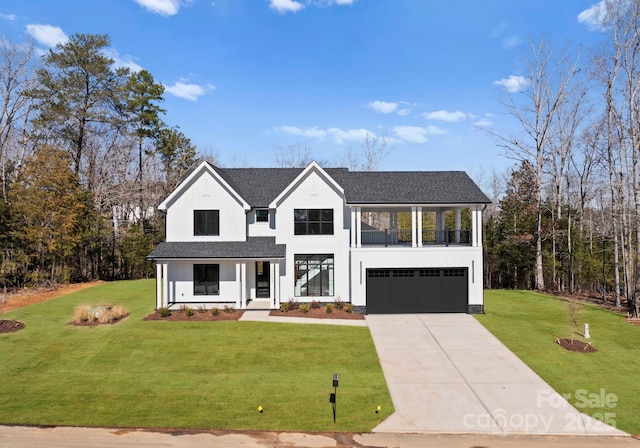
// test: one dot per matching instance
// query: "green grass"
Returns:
(529, 323)
(184, 374)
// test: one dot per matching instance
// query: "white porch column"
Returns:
(243, 291)
(276, 284)
(414, 228)
(239, 282)
(476, 227)
(166, 292)
(354, 227)
(458, 226)
(159, 284)
(358, 226)
(419, 226)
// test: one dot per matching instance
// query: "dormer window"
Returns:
(206, 222)
(262, 215)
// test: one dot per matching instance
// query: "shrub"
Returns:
(188, 311)
(348, 308)
(164, 312)
(202, 309)
(229, 309)
(292, 305)
(304, 307)
(315, 304)
(215, 311)
(338, 303)
(329, 308)
(283, 307)
(81, 314)
(105, 315)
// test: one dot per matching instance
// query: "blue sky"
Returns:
(244, 77)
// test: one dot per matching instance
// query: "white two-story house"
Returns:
(387, 242)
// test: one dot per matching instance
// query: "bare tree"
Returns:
(550, 82)
(16, 78)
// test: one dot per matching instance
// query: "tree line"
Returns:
(568, 219)
(84, 158)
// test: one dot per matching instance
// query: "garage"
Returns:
(417, 290)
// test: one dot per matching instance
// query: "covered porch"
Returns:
(415, 226)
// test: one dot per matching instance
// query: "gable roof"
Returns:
(313, 167)
(260, 187)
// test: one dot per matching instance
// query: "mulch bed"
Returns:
(95, 323)
(179, 315)
(576, 346)
(8, 326)
(318, 313)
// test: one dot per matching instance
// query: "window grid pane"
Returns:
(314, 275)
(206, 222)
(313, 221)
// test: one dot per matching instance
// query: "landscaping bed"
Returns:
(318, 313)
(8, 326)
(196, 315)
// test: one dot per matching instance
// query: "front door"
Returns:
(263, 280)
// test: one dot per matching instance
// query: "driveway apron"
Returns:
(448, 374)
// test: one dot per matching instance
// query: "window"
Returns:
(313, 221)
(206, 279)
(314, 275)
(206, 222)
(262, 215)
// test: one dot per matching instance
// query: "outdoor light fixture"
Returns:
(332, 396)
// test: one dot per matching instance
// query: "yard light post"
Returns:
(332, 396)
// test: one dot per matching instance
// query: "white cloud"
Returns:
(513, 84)
(436, 130)
(186, 91)
(47, 35)
(384, 107)
(412, 134)
(443, 115)
(162, 7)
(8, 16)
(122, 61)
(483, 122)
(284, 6)
(594, 16)
(404, 112)
(511, 41)
(313, 132)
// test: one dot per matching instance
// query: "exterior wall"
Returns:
(429, 257)
(261, 228)
(314, 192)
(206, 193)
(180, 282)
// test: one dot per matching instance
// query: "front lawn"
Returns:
(184, 374)
(529, 323)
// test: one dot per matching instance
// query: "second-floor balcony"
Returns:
(399, 237)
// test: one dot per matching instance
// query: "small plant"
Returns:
(292, 305)
(215, 311)
(188, 311)
(283, 308)
(315, 304)
(164, 312)
(202, 309)
(348, 308)
(329, 308)
(304, 308)
(229, 309)
(81, 314)
(338, 303)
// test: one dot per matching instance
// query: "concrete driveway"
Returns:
(447, 374)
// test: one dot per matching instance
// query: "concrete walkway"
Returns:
(448, 374)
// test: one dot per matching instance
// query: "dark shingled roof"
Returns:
(260, 186)
(254, 247)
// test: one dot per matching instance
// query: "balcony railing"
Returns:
(391, 237)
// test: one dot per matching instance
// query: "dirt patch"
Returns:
(8, 326)
(198, 315)
(576, 346)
(29, 296)
(318, 313)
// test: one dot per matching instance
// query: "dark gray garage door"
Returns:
(417, 290)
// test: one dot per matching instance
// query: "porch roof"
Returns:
(254, 247)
